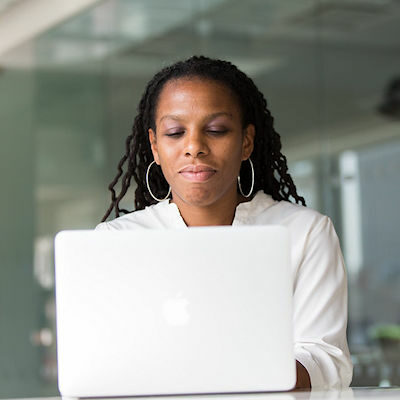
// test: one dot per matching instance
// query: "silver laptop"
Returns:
(163, 312)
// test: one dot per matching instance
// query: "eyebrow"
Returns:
(177, 117)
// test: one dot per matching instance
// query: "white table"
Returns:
(352, 393)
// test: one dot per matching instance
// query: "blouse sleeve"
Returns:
(320, 309)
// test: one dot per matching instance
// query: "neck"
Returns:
(221, 212)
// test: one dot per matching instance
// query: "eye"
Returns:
(217, 132)
(174, 134)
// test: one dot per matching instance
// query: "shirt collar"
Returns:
(244, 211)
(250, 209)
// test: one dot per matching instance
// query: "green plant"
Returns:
(385, 331)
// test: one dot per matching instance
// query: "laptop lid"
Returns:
(152, 312)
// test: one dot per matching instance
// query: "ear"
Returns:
(248, 141)
(153, 144)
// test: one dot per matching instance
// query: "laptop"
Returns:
(171, 312)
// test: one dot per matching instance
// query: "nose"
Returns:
(196, 144)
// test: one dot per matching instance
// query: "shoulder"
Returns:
(154, 216)
(290, 214)
(314, 241)
(305, 224)
(299, 215)
(310, 231)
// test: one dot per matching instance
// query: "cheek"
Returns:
(231, 154)
(168, 156)
(231, 150)
(167, 150)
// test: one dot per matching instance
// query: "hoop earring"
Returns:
(252, 181)
(148, 186)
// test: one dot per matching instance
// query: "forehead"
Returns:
(196, 95)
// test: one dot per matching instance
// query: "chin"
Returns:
(200, 197)
(205, 195)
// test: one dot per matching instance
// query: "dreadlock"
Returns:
(270, 165)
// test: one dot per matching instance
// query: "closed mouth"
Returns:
(197, 173)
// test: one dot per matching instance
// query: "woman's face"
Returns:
(199, 140)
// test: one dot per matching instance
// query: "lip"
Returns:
(197, 173)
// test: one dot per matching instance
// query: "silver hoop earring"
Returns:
(148, 186)
(252, 181)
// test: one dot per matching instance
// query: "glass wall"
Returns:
(328, 70)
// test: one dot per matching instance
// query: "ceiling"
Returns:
(159, 27)
(320, 63)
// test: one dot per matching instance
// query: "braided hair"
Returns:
(270, 165)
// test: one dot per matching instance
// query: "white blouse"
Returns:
(319, 278)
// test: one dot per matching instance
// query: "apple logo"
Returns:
(175, 310)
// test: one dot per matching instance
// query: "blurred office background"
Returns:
(71, 75)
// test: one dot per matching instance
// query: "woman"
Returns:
(204, 151)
